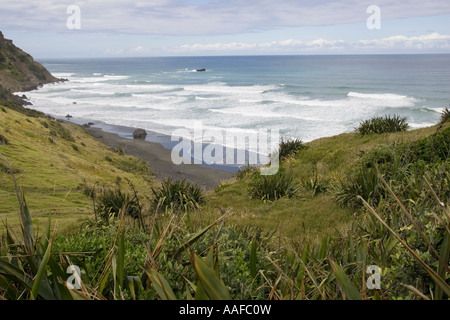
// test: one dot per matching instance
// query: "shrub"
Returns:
(75, 147)
(365, 183)
(445, 116)
(120, 151)
(87, 190)
(289, 147)
(3, 140)
(111, 202)
(245, 172)
(273, 187)
(386, 124)
(177, 196)
(315, 183)
(57, 129)
(379, 154)
(429, 149)
(132, 165)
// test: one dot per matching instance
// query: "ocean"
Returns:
(305, 97)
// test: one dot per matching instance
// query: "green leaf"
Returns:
(347, 286)
(323, 248)
(161, 285)
(198, 235)
(444, 253)
(120, 272)
(14, 273)
(27, 226)
(41, 272)
(214, 287)
(252, 263)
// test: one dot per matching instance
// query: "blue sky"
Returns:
(217, 27)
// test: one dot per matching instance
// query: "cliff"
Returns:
(19, 72)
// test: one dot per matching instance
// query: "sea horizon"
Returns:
(38, 58)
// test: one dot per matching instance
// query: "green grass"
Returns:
(324, 164)
(52, 165)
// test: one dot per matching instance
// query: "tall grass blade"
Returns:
(161, 285)
(199, 234)
(347, 286)
(415, 291)
(253, 258)
(14, 273)
(444, 253)
(25, 218)
(120, 262)
(41, 272)
(214, 287)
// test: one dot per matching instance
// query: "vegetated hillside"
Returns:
(319, 172)
(18, 70)
(56, 165)
(392, 188)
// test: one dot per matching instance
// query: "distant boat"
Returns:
(201, 70)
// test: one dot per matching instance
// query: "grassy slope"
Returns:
(50, 173)
(306, 217)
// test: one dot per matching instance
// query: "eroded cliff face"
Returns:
(19, 71)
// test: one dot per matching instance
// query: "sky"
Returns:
(125, 28)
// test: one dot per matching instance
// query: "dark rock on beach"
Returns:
(139, 134)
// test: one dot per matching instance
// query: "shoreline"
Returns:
(156, 150)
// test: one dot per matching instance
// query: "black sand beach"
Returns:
(158, 157)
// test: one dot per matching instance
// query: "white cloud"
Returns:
(399, 42)
(430, 41)
(177, 17)
(138, 49)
